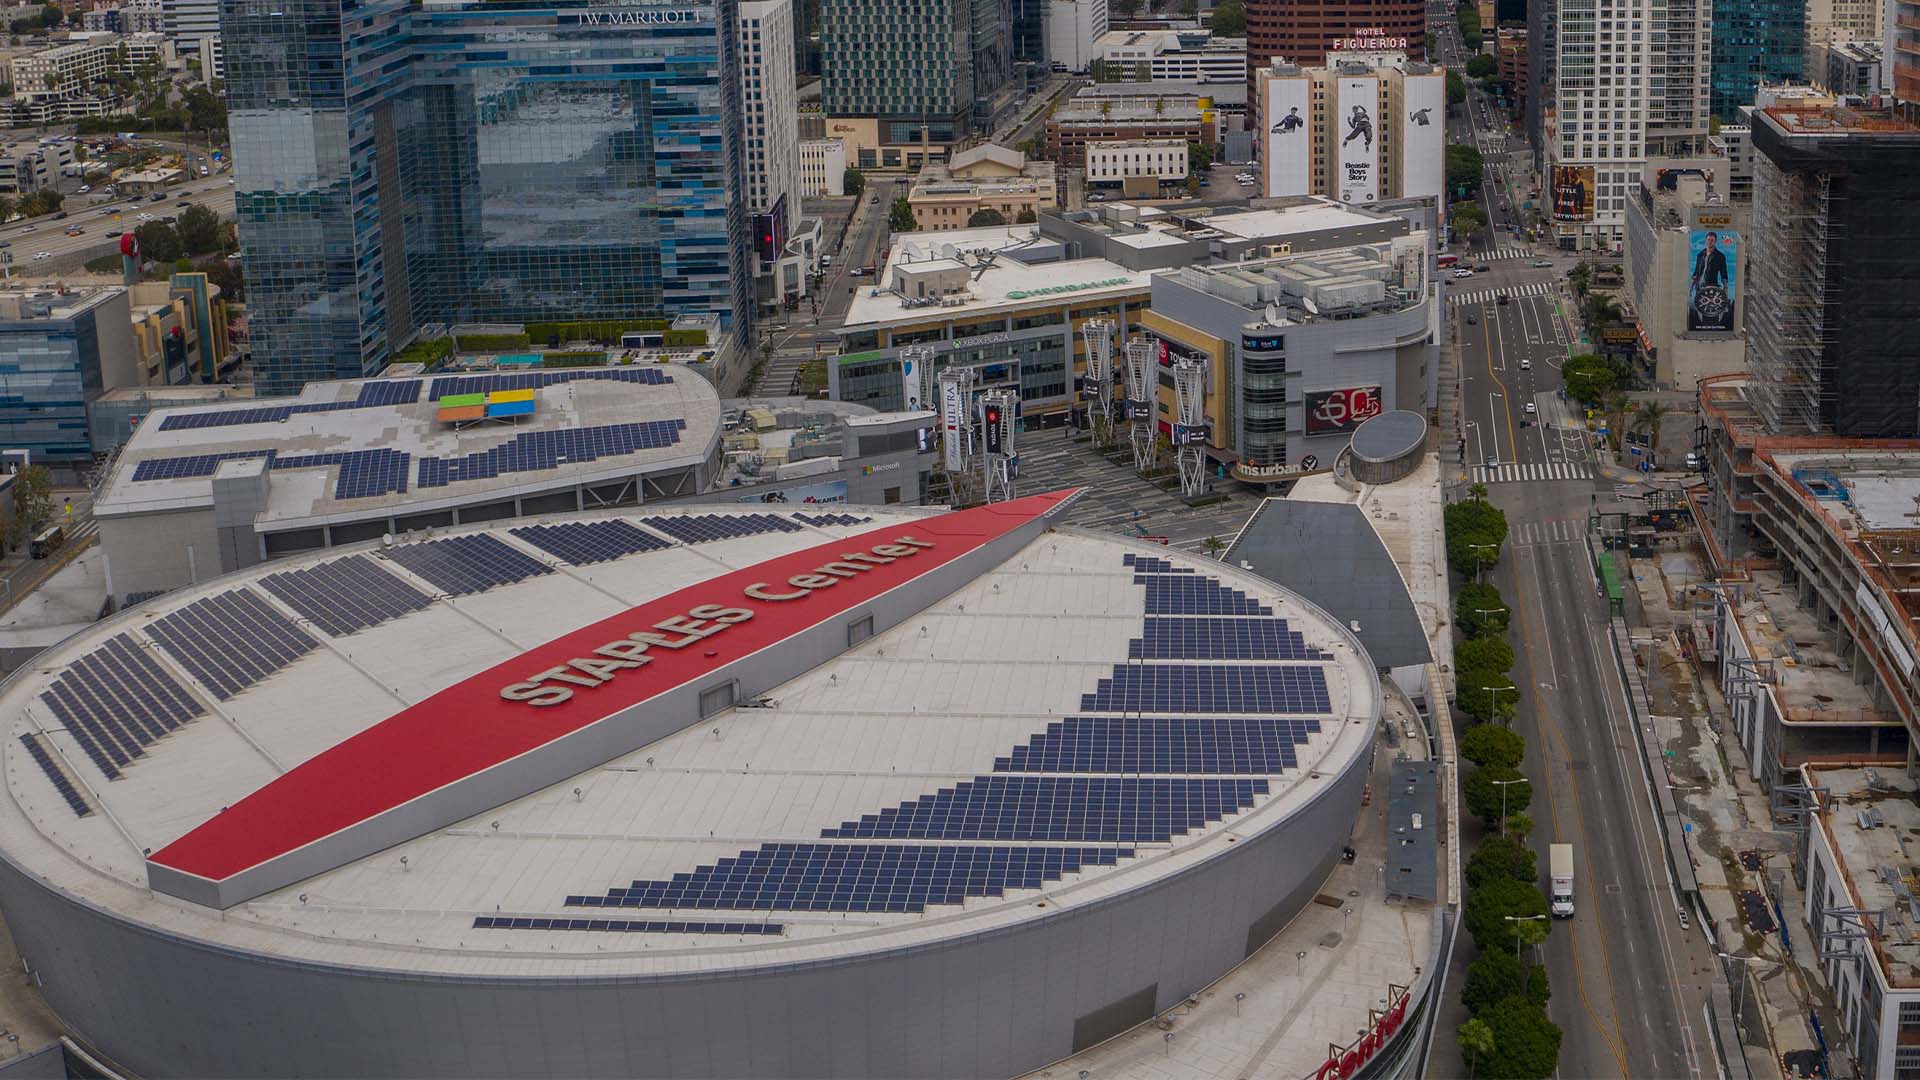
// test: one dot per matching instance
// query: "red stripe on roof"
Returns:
(468, 727)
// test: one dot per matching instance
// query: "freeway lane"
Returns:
(68, 252)
(1629, 983)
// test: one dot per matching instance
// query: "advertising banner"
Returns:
(1713, 260)
(1288, 151)
(1356, 126)
(1423, 155)
(833, 491)
(953, 402)
(913, 381)
(1573, 193)
(1341, 410)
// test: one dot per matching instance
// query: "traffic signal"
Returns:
(993, 429)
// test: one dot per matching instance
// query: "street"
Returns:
(67, 253)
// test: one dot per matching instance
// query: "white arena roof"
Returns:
(373, 447)
(240, 744)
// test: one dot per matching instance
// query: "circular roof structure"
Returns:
(1390, 436)
(697, 739)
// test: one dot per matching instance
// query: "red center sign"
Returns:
(1341, 410)
(555, 710)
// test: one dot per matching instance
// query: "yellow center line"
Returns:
(1544, 720)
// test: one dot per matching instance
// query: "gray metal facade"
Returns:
(999, 1004)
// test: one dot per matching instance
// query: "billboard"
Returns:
(1356, 125)
(1341, 410)
(1573, 193)
(953, 404)
(1423, 140)
(1288, 144)
(833, 491)
(1713, 263)
(913, 381)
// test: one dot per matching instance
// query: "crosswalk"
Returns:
(1551, 531)
(1487, 296)
(1504, 253)
(1518, 474)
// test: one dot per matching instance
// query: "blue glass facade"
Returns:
(464, 161)
(1755, 41)
(49, 371)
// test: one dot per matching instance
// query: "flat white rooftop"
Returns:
(1005, 285)
(899, 717)
(371, 447)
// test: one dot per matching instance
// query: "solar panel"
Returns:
(1220, 639)
(583, 542)
(702, 528)
(363, 473)
(628, 926)
(831, 519)
(537, 450)
(230, 641)
(1134, 744)
(378, 394)
(857, 877)
(346, 595)
(463, 565)
(116, 700)
(1192, 594)
(1207, 688)
(536, 380)
(56, 775)
(1091, 809)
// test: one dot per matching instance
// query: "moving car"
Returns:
(1463, 272)
(1472, 319)
(158, 196)
(1541, 264)
(38, 255)
(1525, 364)
(1530, 409)
(1483, 268)
(1504, 301)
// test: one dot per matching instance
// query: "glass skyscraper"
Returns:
(410, 163)
(1754, 42)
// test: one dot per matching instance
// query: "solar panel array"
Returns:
(1135, 744)
(116, 700)
(647, 926)
(1207, 688)
(56, 775)
(363, 473)
(1122, 780)
(1093, 809)
(701, 528)
(581, 543)
(463, 565)
(230, 641)
(1220, 639)
(857, 877)
(346, 595)
(535, 380)
(831, 519)
(538, 450)
(381, 394)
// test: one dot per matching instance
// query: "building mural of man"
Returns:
(1710, 286)
(1359, 125)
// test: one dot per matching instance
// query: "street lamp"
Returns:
(1480, 571)
(1490, 610)
(1516, 920)
(1503, 785)
(1740, 999)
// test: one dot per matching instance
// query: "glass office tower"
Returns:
(469, 161)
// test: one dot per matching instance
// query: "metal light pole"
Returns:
(1502, 785)
(1516, 920)
(1494, 693)
(1740, 999)
(1481, 571)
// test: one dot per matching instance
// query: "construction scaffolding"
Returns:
(1787, 334)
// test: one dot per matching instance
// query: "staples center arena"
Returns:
(701, 793)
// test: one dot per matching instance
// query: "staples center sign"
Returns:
(702, 621)
(578, 701)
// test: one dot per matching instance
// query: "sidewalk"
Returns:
(1738, 849)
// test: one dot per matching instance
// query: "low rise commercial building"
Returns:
(1172, 56)
(875, 144)
(28, 167)
(823, 167)
(1685, 262)
(179, 330)
(1300, 349)
(68, 70)
(1849, 67)
(1137, 166)
(1366, 127)
(1095, 118)
(984, 178)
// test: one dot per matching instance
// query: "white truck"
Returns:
(1560, 865)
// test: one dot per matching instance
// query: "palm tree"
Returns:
(1648, 416)
(1476, 1044)
(1213, 544)
(1478, 492)
(1616, 406)
(1581, 276)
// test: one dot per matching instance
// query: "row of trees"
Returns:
(32, 505)
(1475, 530)
(1508, 1033)
(33, 204)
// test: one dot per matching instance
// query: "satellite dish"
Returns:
(1273, 314)
(1307, 302)
(386, 540)
(948, 251)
